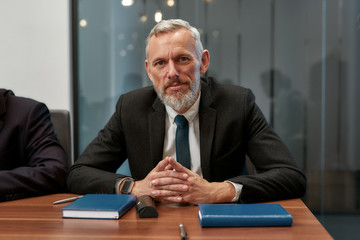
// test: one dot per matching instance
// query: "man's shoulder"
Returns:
(18, 103)
(218, 89)
(140, 94)
(141, 91)
(141, 98)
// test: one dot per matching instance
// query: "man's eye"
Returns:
(159, 63)
(183, 59)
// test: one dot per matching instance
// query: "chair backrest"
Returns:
(61, 122)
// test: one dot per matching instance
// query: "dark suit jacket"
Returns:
(31, 159)
(231, 126)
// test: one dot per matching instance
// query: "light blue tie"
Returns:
(182, 141)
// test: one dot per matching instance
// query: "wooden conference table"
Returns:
(38, 218)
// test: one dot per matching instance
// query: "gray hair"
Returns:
(172, 25)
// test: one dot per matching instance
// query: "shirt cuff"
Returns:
(238, 187)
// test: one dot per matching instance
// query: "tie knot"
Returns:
(181, 121)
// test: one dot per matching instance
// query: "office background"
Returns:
(300, 58)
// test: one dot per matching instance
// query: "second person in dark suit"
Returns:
(32, 162)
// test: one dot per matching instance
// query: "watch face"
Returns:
(127, 186)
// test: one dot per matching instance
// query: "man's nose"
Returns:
(172, 70)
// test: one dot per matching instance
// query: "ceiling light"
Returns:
(83, 23)
(170, 3)
(158, 16)
(143, 17)
(127, 3)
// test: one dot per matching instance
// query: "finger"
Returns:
(166, 181)
(163, 194)
(169, 167)
(169, 199)
(162, 165)
(177, 166)
(175, 199)
(177, 187)
(170, 174)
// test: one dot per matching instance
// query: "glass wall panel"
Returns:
(300, 58)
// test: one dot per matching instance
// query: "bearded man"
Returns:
(223, 126)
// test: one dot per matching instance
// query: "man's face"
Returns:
(174, 68)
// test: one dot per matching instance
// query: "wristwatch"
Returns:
(127, 186)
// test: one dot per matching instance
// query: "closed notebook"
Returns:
(107, 206)
(243, 215)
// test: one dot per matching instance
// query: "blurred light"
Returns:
(135, 35)
(143, 18)
(158, 16)
(121, 36)
(83, 23)
(215, 33)
(123, 53)
(127, 3)
(130, 47)
(170, 3)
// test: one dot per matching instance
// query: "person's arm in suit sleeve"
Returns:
(44, 170)
(277, 176)
(95, 169)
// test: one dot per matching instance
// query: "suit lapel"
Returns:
(157, 131)
(207, 122)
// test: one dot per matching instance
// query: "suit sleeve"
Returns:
(277, 177)
(95, 169)
(40, 168)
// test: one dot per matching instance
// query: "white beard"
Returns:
(180, 100)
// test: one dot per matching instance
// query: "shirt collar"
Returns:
(189, 114)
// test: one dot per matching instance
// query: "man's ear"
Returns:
(205, 61)
(147, 67)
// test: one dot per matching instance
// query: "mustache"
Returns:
(176, 81)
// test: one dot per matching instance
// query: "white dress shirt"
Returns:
(192, 115)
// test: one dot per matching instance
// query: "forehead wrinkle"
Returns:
(175, 38)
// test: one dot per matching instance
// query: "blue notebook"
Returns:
(243, 215)
(106, 206)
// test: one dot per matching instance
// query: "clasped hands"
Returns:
(170, 182)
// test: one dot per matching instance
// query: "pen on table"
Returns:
(183, 233)
(67, 200)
